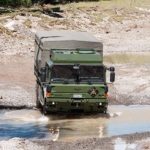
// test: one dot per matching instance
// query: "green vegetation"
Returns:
(16, 3)
(83, 3)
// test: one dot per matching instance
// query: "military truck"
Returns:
(70, 74)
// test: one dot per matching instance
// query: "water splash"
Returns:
(43, 119)
(115, 114)
(25, 116)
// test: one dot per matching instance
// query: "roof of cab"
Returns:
(66, 39)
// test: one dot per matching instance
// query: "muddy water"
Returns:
(31, 124)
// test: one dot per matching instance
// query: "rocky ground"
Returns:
(126, 142)
(124, 32)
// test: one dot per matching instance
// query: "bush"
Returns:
(16, 3)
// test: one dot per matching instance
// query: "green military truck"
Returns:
(69, 70)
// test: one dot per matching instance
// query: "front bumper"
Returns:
(76, 105)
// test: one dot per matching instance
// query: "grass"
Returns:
(127, 58)
(109, 4)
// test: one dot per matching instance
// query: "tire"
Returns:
(44, 111)
(105, 111)
(38, 104)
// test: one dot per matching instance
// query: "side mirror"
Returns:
(112, 76)
(43, 74)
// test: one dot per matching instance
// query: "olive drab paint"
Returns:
(70, 74)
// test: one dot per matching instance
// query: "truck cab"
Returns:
(70, 73)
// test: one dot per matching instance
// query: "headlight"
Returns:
(100, 104)
(53, 103)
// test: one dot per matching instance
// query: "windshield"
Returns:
(70, 73)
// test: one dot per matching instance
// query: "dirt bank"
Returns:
(17, 81)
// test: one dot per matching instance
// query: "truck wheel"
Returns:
(38, 104)
(105, 111)
(44, 109)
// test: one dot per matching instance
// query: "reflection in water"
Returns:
(54, 131)
(82, 127)
(31, 124)
(101, 130)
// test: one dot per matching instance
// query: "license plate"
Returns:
(77, 95)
